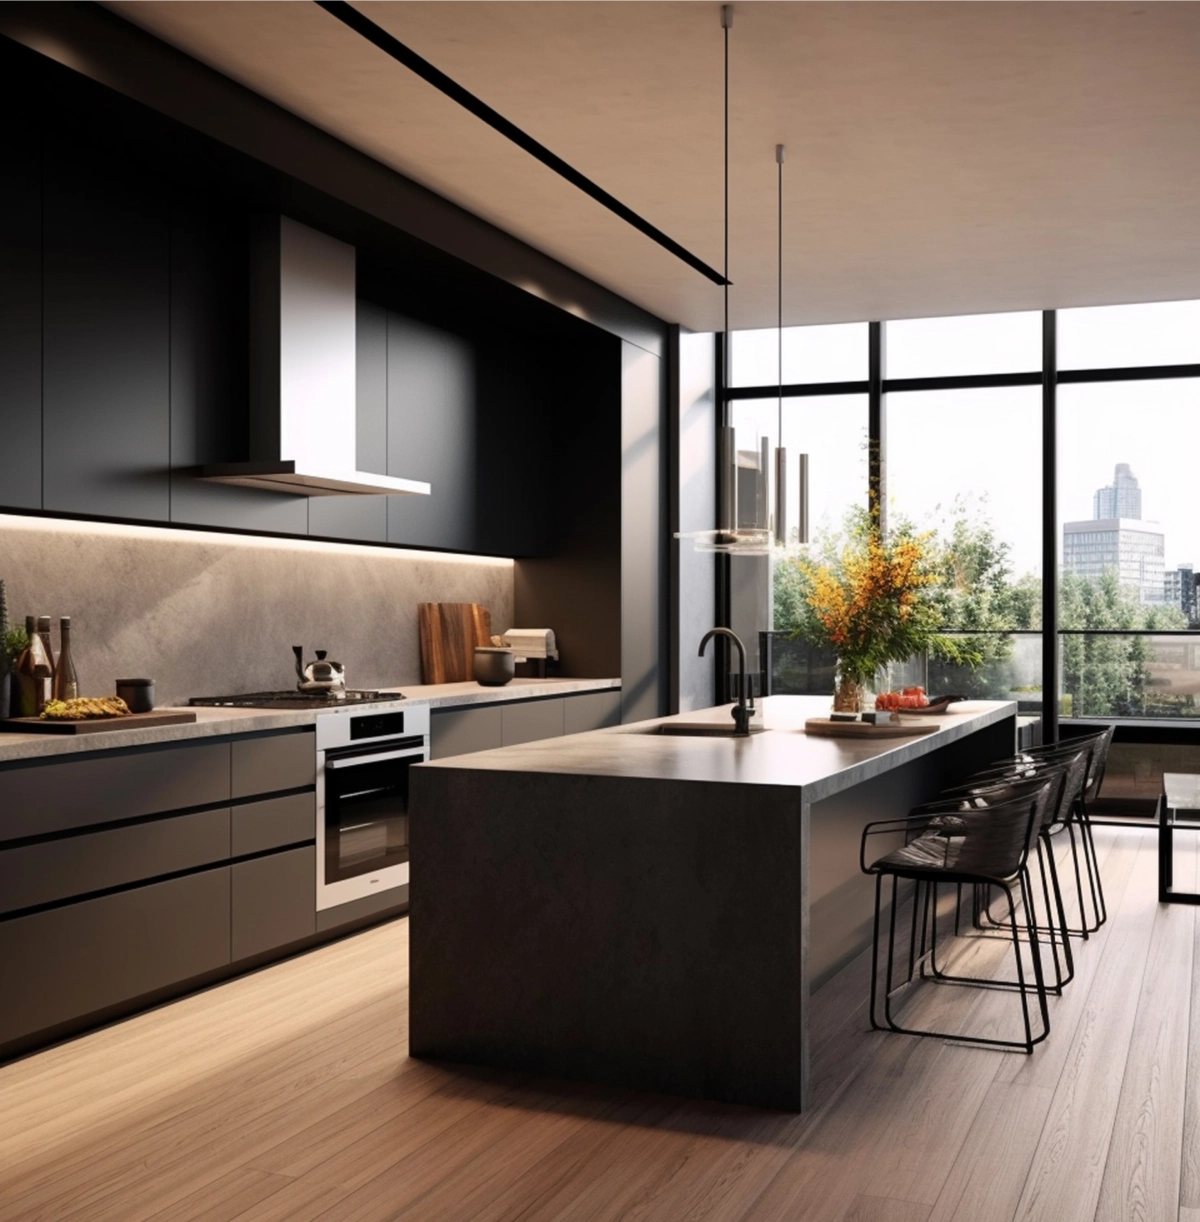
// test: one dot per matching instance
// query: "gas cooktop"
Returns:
(296, 700)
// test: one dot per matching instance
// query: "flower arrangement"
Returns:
(870, 598)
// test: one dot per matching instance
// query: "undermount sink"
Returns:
(699, 730)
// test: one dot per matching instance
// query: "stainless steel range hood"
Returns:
(303, 371)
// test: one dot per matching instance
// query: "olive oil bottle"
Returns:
(66, 682)
(33, 674)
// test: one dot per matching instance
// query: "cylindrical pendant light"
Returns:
(802, 488)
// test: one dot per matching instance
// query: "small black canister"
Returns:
(138, 694)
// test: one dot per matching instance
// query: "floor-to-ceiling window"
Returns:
(1128, 534)
(954, 411)
(828, 422)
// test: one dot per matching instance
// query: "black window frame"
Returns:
(877, 385)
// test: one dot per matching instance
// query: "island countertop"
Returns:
(782, 754)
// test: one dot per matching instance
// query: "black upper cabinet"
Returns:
(431, 434)
(106, 354)
(20, 309)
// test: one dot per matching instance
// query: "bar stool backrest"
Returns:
(1096, 744)
(995, 840)
(1008, 780)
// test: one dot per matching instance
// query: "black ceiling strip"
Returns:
(348, 15)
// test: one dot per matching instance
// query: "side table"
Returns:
(1179, 806)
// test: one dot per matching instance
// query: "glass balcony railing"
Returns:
(1011, 669)
(1117, 674)
(1104, 674)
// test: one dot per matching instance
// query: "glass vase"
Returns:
(849, 692)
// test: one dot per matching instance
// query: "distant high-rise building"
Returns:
(1132, 550)
(1179, 590)
(1120, 499)
(1117, 540)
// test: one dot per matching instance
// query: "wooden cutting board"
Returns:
(450, 633)
(863, 729)
(93, 725)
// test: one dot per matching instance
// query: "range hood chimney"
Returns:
(303, 411)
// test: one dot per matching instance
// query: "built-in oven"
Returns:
(363, 762)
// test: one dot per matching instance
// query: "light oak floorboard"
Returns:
(884, 1209)
(289, 1095)
(988, 1177)
(224, 1198)
(1142, 1176)
(1189, 1188)
(1064, 1181)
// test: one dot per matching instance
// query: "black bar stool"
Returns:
(988, 845)
(1067, 776)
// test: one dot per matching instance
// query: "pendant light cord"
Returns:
(726, 23)
(779, 150)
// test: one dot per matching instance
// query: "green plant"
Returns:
(14, 643)
(870, 597)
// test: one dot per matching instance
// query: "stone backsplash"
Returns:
(203, 613)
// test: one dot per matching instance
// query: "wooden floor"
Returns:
(288, 1095)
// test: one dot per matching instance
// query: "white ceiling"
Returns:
(942, 158)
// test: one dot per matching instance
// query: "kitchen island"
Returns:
(632, 907)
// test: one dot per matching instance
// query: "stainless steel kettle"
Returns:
(318, 676)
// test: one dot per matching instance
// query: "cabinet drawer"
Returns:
(277, 761)
(274, 901)
(461, 731)
(70, 961)
(58, 869)
(77, 793)
(591, 712)
(528, 722)
(274, 822)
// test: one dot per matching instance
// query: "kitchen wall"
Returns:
(209, 614)
(531, 398)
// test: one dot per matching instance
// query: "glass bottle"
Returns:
(66, 681)
(33, 674)
(43, 627)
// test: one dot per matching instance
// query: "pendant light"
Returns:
(728, 538)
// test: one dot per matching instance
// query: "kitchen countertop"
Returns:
(212, 722)
(781, 754)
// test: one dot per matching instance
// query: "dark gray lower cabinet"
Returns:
(272, 762)
(591, 711)
(531, 721)
(461, 731)
(274, 901)
(52, 870)
(273, 823)
(72, 961)
(65, 794)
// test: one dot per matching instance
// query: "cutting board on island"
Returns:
(450, 633)
(828, 728)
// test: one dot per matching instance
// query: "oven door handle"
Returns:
(360, 760)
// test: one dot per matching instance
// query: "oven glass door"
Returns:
(366, 810)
